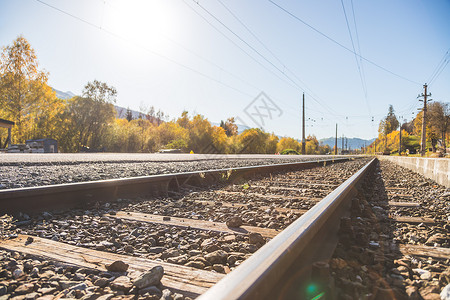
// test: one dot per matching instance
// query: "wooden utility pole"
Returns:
(335, 142)
(423, 141)
(400, 142)
(303, 128)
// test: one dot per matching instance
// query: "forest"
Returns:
(89, 122)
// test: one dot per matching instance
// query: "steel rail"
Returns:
(282, 268)
(82, 194)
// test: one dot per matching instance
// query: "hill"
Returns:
(63, 95)
(352, 143)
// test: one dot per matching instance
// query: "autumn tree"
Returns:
(439, 122)
(271, 144)
(252, 140)
(388, 124)
(25, 96)
(229, 126)
(312, 145)
(288, 143)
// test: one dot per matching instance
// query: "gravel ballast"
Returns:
(47, 170)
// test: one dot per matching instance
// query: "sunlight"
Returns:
(147, 23)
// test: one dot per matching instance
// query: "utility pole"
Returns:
(400, 138)
(335, 142)
(423, 142)
(303, 128)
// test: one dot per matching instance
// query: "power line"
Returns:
(309, 92)
(439, 68)
(358, 61)
(144, 48)
(246, 43)
(239, 47)
(339, 44)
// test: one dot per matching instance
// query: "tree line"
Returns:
(437, 131)
(90, 121)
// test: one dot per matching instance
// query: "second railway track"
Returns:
(197, 230)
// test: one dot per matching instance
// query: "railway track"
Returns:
(251, 233)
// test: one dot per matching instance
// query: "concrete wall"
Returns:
(437, 169)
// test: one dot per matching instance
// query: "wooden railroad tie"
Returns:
(413, 220)
(186, 280)
(425, 251)
(231, 204)
(299, 182)
(278, 197)
(194, 224)
(404, 204)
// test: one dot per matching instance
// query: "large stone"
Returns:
(117, 266)
(234, 222)
(101, 282)
(24, 288)
(151, 290)
(152, 277)
(216, 257)
(122, 283)
(445, 293)
(256, 238)
(65, 284)
(195, 264)
(105, 297)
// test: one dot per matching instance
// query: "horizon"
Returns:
(349, 64)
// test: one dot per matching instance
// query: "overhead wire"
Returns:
(311, 94)
(145, 48)
(339, 44)
(246, 43)
(363, 84)
(440, 67)
(305, 88)
(239, 47)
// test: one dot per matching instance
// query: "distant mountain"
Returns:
(63, 95)
(352, 143)
(122, 112)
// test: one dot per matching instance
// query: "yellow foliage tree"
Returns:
(288, 143)
(25, 97)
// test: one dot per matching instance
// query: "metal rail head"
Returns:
(282, 268)
(64, 196)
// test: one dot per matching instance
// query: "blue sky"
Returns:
(177, 55)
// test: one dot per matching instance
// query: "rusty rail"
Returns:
(284, 267)
(65, 196)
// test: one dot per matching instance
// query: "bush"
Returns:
(289, 152)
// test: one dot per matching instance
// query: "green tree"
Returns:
(129, 115)
(90, 115)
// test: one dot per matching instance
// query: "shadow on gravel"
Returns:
(366, 263)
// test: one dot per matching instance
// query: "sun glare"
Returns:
(147, 23)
